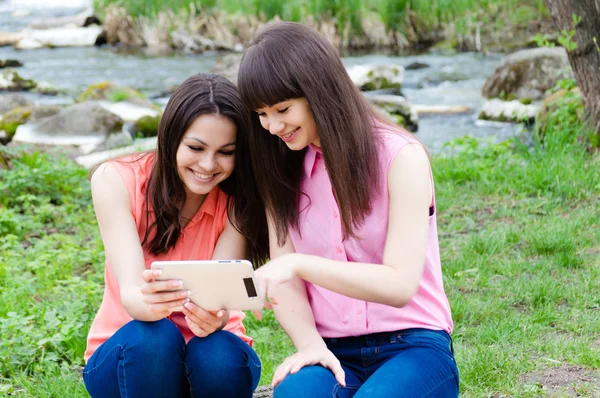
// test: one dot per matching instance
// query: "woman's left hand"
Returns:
(273, 274)
(202, 322)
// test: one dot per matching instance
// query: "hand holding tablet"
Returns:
(215, 284)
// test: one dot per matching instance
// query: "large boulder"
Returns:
(59, 37)
(87, 123)
(528, 74)
(11, 120)
(377, 77)
(12, 101)
(10, 80)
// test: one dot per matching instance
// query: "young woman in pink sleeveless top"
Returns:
(355, 276)
(189, 200)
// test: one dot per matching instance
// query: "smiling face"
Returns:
(205, 156)
(292, 121)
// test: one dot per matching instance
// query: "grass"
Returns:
(519, 237)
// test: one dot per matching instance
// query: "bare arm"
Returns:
(295, 316)
(122, 244)
(294, 313)
(397, 280)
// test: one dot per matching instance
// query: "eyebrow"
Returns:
(205, 144)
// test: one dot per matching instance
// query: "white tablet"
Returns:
(215, 284)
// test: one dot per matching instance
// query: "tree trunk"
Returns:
(585, 59)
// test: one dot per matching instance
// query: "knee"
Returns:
(157, 339)
(222, 365)
(310, 381)
(220, 349)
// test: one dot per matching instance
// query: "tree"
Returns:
(582, 17)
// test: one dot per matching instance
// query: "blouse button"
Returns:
(345, 321)
(335, 215)
(339, 250)
(359, 311)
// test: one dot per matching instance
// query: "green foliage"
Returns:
(34, 175)
(542, 40)
(50, 268)
(565, 39)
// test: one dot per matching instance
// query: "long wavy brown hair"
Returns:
(289, 60)
(200, 95)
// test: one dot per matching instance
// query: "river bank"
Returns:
(357, 25)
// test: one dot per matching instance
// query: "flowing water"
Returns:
(450, 79)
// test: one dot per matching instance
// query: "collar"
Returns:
(310, 159)
(209, 206)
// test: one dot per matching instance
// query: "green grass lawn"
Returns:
(520, 243)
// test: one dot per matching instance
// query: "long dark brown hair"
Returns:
(198, 95)
(289, 60)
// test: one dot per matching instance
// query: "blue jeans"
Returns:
(151, 359)
(410, 363)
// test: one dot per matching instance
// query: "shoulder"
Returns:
(392, 141)
(130, 169)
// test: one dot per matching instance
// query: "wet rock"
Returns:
(528, 73)
(10, 63)
(10, 80)
(79, 124)
(377, 77)
(11, 101)
(508, 111)
(416, 65)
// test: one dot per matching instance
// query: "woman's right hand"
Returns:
(162, 297)
(314, 355)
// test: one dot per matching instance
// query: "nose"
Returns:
(207, 162)
(276, 126)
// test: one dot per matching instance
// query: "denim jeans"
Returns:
(151, 359)
(411, 363)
